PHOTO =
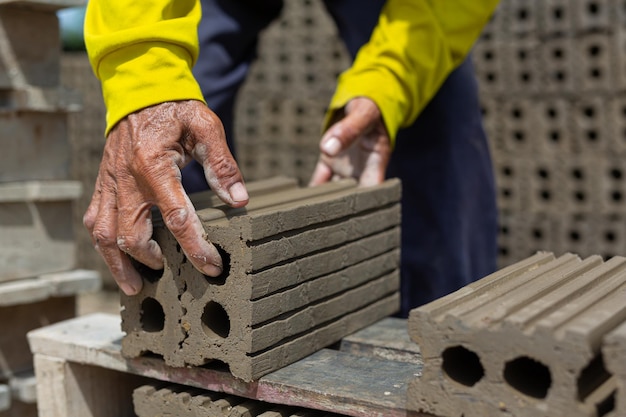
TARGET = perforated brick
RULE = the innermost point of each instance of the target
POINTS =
(303, 267)
(524, 341)
(151, 400)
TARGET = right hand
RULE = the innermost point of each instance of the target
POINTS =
(140, 168)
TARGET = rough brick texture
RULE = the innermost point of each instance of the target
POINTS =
(614, 350)
(524, 341)
(180, 401)
(303, 268)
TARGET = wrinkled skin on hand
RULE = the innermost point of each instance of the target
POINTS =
(356, 146)
(140, 168)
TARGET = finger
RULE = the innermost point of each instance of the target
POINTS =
(322, 173)
(220, 169)
(180, 218)
(134, 229)
(361, 116)
(104, 234)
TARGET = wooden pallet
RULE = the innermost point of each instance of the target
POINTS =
(81, 372)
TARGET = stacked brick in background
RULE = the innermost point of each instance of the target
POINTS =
(552, 75)
(542, 337)
(281, 106)
(304, 267)
(151, 400)
(38, 284)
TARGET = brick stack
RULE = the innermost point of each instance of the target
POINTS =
(282, 104)
(542, 337)
(151, 400)
(37, 251)
(303, 268)
(553, 84)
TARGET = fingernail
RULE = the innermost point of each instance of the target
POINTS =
(211, 270)
(128, 289)
(238, 192)
(332, 146)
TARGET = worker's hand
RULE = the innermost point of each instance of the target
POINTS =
(140, 168)
(357, 146)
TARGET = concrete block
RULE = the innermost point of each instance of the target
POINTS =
(5, 397)
(40, 99)
(27, 56)
(20, 319)
(593, 15)
(554, 129)
(59, 284)
(489, 59)
(556, 17)
(520, 121)
(521, 18)
(164, 400)
(36, 224)
(37, 146)
(302, 266)
(560, 76)
(614, 353)
(592, 127)
(522, 69)
(595, 60)
(524, 341)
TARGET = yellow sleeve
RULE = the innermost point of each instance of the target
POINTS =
(413, 49)
(142, 51)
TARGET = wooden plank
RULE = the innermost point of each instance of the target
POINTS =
(327, 380)
(385, 339)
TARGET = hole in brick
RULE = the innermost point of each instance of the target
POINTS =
(215, 321)
(578, 173)
(525, 77)
(517, 113)
(538, 234)
(552, 113)
(528, 376)
(579, 196)
(590, 112)
(507, 171)
(616, 173)
(555, 136)
(521, 54)
(595, 73)
(216, 365)
(152, 315)
(616, 196)
(560, 76)
(462, 365)
(221, 278)
(609, 236)
(557, 53)
(488, 55)
(543, 173)
(591, 378)
(519, 136)
(545, 195)
(147, 273)
(506, 193)
(503, 251)
(594, 50)
(592, 135)
(593, 8)
(504, 230)
(574, 235)
(557, 13)
(491, 77)
(522, 14)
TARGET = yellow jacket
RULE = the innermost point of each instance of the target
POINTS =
(143, 52)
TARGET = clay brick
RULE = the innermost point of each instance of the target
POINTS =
(524, 341)
(36, 144)
(304, 267)
(36, 225)
(180, 401)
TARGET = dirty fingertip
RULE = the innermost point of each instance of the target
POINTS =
(238, 192)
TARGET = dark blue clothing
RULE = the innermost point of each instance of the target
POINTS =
(449, 215)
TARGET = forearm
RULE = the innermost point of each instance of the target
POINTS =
(413, 49)
(142, 52)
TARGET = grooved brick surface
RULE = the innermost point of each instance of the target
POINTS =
(614, 350)
(303, 268)
(524, 341)
(180, 401)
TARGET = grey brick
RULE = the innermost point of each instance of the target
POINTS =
(305, 266)
(525, 341)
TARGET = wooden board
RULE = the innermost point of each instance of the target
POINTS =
(328, 380)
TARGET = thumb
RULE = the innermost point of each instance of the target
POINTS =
(361, 116)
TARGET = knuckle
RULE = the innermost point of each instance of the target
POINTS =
(104, 238)
(177, 220)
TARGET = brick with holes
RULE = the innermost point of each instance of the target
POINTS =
(524, 341)
(614, 350)
(303, 268)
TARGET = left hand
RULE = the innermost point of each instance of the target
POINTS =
(357, 146)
